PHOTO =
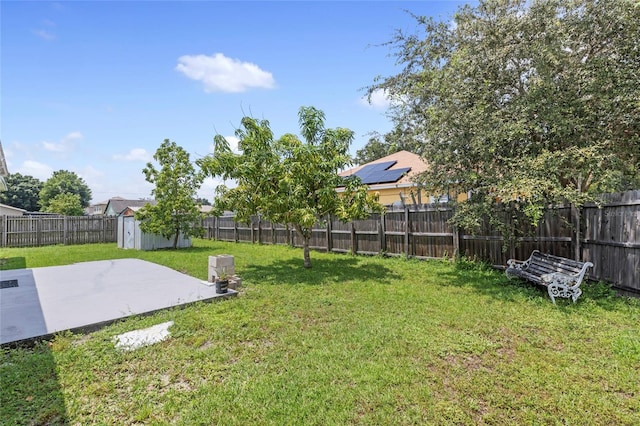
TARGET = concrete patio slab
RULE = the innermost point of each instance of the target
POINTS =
(87, 295)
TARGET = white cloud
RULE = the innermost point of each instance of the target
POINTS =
(208, 188)
(37, 170)
(65, 144)
(136, 154)
(233, 143)
(53, 147)
(89, 172)
(45, 35)
(72, 136)
(221, 74)
(379, 99)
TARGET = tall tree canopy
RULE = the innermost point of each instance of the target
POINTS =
(176, 211)
(23, 192)
(66, 204)
(61, 182)
(527, 102)
(378, 146)
(289, 180)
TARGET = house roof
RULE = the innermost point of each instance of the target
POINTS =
(17, 210)
(401, 160)
(118, 204)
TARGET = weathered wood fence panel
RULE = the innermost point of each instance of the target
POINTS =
(611, 240)
(32, 231)
(609, 236)
(553, 235)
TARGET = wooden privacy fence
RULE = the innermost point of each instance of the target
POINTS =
(27, 231)
(609, 237)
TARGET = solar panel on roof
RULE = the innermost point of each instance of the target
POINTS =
(378, 173)
(394, 175)
(371, 168)
(382, 166)
(383, 176)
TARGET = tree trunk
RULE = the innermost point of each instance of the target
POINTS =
(307, 258)
(576, 213)
(175, 240)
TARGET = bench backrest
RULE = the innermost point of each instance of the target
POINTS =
(542, 263)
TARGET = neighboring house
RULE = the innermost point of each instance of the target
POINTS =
(391, 177)
(6, 210)
(98, 208)
(4, 172)
(115, 206)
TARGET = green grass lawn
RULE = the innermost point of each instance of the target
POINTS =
(355, 340)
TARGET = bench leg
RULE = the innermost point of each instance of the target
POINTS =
(561, 290)
(553, 292)
(575, 294)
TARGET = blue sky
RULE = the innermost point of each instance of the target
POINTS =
(95, 87)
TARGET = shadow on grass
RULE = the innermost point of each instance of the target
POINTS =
(492, 282)
(323, 271)
(31, 392)
(487, 281)
(7, 263)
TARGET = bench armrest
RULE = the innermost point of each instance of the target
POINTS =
(517, 264)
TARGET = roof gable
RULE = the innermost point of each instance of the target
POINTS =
(116, 205)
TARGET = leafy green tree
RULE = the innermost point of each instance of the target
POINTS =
(399, 139)
(203, 202)
(373, 150)
(524, 102)
(288, 180)
(23, 192)
(66, 204)
(64, 181)
(176, 212)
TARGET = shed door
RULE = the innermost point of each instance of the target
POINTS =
(129, 232)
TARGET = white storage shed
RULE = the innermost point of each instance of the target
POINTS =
(130, 236)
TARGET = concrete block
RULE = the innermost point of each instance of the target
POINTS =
(235, 282)
(219, 264)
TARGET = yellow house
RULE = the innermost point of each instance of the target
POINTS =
(391, 177)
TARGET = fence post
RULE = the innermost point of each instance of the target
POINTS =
(259, 229)
(354, 249)
(329, 233)
(456, 241)
(38, 232)
(383, 234)
(252, 234)
(64, 232)
(273, 233)
(5, 229)
(407, 230)
(235, 230)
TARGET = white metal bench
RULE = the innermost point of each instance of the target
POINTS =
(561, 276)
